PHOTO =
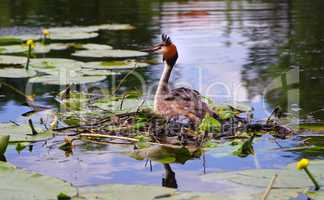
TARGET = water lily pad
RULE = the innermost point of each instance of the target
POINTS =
(126, 105)
(20, 184)
(72, 29)
(123, 192)
(56, 66)
(251, 184)
(12, 60)
(163, 154)
(66, 79)
(93, 72)
(89, 29)
(5, 40)
(72, 36)
(116, 53)
(115, 27)
(91, 46)
(118, 65)
(23, 133)
(40, 48)
(16, 73)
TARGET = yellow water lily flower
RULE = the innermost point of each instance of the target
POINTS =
(302, 164)
(30, 43)
(45, 32)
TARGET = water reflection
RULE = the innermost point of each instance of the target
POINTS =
(169, 179)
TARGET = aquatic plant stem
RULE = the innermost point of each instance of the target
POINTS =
(122, 81)
(28, 57)
(317, 187)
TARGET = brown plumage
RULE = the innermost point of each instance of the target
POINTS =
(181, 103)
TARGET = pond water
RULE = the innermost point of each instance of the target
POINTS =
(262, 53)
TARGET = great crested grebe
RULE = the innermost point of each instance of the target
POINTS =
(180, 103)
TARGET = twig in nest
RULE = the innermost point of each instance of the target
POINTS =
(107, 142)
(109, 136)
(266, 193)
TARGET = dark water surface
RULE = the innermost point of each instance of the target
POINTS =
(261, 53)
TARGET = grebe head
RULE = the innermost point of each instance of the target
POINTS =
(167, 49)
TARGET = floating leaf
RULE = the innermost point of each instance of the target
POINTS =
(89, 29)
(123, 192)
(12, 60)
(49, 63)
(73, 29)
(66, 79)
(39, 48)
(116, 53)
(118, 65)
(4, 140)
(23, 133)
(16, 73)
(251, 184)
(115, 27)
(91, 46)
(126, 105)
(5, 40)
(19, 184)
(72, 36)
(93, 72)
(316, 127)
(163, 154)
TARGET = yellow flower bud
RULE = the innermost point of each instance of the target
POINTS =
(45, 32)
(31, 43)
(302, 164)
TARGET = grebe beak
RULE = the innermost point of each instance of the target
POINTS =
(155, 48)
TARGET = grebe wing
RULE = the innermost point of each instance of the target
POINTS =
(182, 93)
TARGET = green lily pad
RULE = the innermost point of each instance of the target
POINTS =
(91, 46)
(23, 133)
(116, 53)
(316, 127)
(16, 73)
(72, 36)
(163, 154)
(115, 27)
(20, 184)
(72, 29)
(89, 29)
(251, 184)
(13, 60)
(126, 192)
(39, 48)
(55, 66)
(118, 65)
(123, 192)
(66, 79)
(126, 105)
(7, 39)
(93, 72)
